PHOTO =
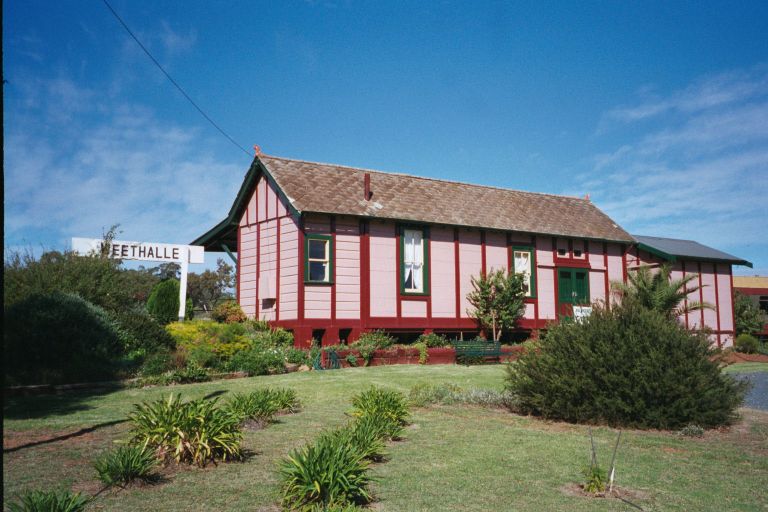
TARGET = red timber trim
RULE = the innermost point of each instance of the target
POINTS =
(482, 253)
(333, 270)
(277, 271)
(701, 297)
(733, 305)
(365, 272)
(624, 264)
(258, 268)
(429, 269)
(536, 276)
(457, 271)
(300, 298)
(685, 302)
(607, 276)
(398, 276)
(239, 257)
(717, 306)
(751, 291)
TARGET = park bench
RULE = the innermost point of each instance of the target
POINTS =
(478, 348)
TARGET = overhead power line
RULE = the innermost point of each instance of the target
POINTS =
(174, 82)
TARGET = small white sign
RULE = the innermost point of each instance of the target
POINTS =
(144, 251)
(581, 312)
(148, 251)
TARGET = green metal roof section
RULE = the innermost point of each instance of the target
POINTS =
(225, 232)
(673, 249)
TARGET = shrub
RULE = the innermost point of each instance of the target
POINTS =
(595, 479)
(691, 430)
(351, 359)
(327, 473)
(258, 361)
(59, 338)
(142, 332)
(378, 339)
(49, 501)
(210, 344)
(161, 362)
(228, 312)
(423, 354)
(124, 465)
(387, 403)
(258, 325)
(163, 302)
(296, 356)
(97, 280)
(433, 340)
(625, 366)
(746, 343)
(195, 432)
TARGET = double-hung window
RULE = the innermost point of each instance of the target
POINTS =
(318, 259)
(523, 262)
(414, 278)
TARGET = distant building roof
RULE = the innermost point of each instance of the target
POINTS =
(750, 282)
(673, 249)
(335, 189)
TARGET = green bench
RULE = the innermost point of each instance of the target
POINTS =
(479, 348)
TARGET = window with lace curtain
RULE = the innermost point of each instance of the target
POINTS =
(523, 263)
(414, 276)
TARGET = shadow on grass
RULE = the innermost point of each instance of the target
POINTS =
(28, 407)
(64, 437)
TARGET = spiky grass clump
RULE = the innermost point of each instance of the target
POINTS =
(125, 465)
(195, 432)
(375, 401)
(285, 399)
(331, 472)
(49, 501)
(256, 406)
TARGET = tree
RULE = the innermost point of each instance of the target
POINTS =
(659, 292)
(210, 287)
(498, 300)
(748, 316)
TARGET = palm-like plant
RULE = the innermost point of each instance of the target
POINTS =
(659, 292)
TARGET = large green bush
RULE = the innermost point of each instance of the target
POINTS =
(627, 366)
(59, 338)
(163, 302)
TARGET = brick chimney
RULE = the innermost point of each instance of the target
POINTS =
(367, 192)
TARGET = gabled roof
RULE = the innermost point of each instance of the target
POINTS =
(672, 249)
(335, 189)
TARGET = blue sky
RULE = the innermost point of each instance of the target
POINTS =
(659, 111)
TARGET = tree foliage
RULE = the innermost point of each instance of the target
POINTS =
(659, 292)
(497, 299)
(749, 318)
(210, 287)
(163, 302)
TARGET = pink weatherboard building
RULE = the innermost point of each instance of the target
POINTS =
(329, 251)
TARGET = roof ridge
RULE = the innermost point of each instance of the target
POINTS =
(390, 173)
(669, 238)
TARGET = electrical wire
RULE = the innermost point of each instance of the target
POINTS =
(176, 84)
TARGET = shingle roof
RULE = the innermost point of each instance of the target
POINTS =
(336, 189)
(686, 249)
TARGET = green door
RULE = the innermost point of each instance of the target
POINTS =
(572, 288)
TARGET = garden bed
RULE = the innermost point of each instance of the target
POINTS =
(411, 355)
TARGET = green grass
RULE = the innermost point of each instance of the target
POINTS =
(452, 458)
(746, 368)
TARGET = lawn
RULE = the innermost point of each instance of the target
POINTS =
(452, 457)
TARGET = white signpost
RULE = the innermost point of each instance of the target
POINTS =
(148, 251)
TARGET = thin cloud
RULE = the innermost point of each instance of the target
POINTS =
(700, 173)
